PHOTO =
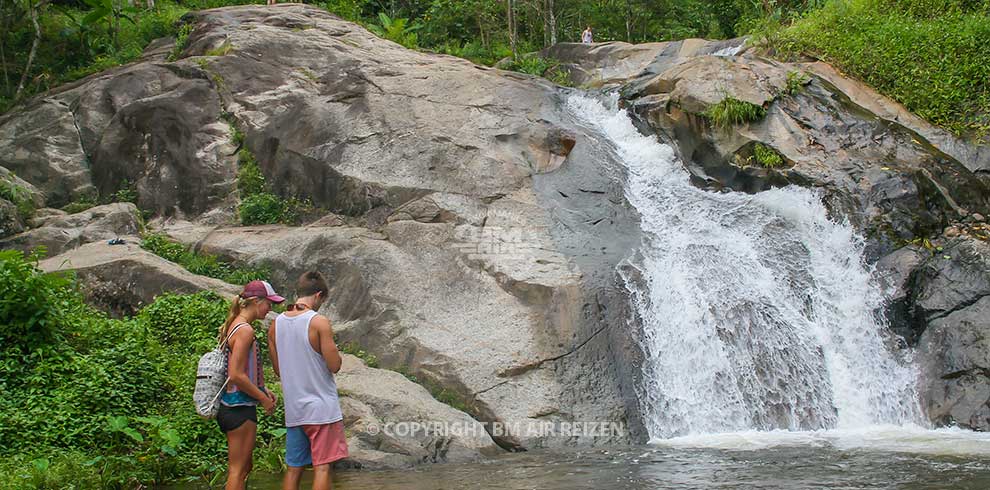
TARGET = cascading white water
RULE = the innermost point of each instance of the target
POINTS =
(757, 310)
(729, 51)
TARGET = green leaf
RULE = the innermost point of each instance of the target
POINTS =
(41, 465)
(93, 461)
(118, 423)
(133, 434)
(96, 15)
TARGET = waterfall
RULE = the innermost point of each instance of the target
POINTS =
(729, 50)
(757, 311)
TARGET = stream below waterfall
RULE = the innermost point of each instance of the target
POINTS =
(879, 458)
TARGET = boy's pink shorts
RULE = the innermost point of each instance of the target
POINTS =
(315, 444)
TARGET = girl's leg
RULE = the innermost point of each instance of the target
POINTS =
(240, 447)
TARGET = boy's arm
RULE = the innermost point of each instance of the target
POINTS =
(328, 348)
(272, 348)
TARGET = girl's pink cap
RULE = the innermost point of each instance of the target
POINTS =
(261, 289)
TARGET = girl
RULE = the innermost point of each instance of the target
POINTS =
(238, 413)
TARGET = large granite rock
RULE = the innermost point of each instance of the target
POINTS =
(121, 279)
(392, 422)
(150, 126)
(58, 233)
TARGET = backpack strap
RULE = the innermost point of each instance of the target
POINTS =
(221, 344)
(231, 334)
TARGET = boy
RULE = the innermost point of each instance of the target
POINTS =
(305, 357)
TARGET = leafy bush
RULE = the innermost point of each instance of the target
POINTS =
(548, 68)
(250, 180)
(202, 264)
(533, 65)
(266, 209)
(929, 55)
(397, 30)
(258, 205)
(476, 52)
(106, 401)
(730, 112)
(75, 45)
(24, 328)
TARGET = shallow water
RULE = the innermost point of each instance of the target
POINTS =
(879, 457)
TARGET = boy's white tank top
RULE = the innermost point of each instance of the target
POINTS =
(308, 387)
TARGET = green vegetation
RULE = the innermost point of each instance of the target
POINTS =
(19, 196)
(398, 30)
(202, 264)
(796, 81)
(259, 206)
(766, 156)
(72, 40)
(75, 39)
(731, 112)
(548, 68)
(220, 50)
(79, 205)
(356, 351)
(106, 401)
(250, 180)
(181, 40)
(929, 55)
(441, 394)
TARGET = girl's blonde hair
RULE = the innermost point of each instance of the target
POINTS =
(236, 306)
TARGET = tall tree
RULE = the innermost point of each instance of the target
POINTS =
(33, 9)
(511, 20)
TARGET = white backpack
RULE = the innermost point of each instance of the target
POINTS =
(211, 378)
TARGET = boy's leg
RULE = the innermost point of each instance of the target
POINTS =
(292, 477)
(297, 457)
(327, 444)
(322, 477)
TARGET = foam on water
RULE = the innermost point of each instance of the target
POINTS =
(890, 438)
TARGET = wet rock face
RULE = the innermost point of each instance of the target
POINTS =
(882, 176)
(875, 162)
(955, 359)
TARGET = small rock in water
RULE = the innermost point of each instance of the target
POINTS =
(979, 217)
(951, 232)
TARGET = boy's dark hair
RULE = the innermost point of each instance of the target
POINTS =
(310, 283)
